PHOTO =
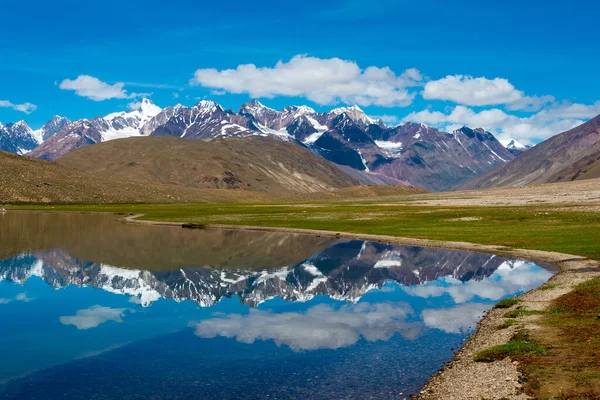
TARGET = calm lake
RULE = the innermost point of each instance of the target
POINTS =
(91, 308)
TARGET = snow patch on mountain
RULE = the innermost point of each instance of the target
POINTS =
(321, 129)
(38, 135)
(281, 133)
(363, 160)
(389, 259)
(494, 153)
(318, 276)
(391, 148)
(129, 282)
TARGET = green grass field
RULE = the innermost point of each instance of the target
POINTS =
(541, 227)
(520, 345)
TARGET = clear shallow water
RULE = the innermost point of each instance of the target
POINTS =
(92, 308)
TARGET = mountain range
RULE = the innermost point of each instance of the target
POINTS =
(365, 148)
(19, 138)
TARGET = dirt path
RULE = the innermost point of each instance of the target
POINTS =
(463, 378)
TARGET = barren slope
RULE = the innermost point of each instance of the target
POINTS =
(24, 179)
(571, 155)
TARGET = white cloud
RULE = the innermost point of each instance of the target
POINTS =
(527, 130)
(93, 316)
(459, 319)
(324, 81)
(134, 105)
(26, 108)
(320, 327)
(533, 130)
(94, 89)
(470, 91)
(461, 115)
(569, 111)
(530, 103)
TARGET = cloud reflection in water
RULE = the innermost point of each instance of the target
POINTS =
(320, 327)
(510, 278)
(93, 316)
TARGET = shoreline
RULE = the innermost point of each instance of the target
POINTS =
(463, 378)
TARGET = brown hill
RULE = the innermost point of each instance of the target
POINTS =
(571, 155)
(24, 179)
(253, 164)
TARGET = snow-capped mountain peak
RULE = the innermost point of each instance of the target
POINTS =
(352, 108)
(50, 128)
(147, 107)
(302, 110)
(208, 105)
(128, 123)
(17, 138)
(296, 111)
(512, 144)
(143, 111)
(255, 108)
(355, 113)
(21, 125)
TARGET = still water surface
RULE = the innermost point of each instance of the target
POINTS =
(91, 308)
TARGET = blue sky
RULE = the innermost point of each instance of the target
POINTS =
(545, 55)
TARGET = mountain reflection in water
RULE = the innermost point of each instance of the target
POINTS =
(99, 301)
(345, 271)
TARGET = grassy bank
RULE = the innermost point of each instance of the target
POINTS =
(561, 228)
(560, 358)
